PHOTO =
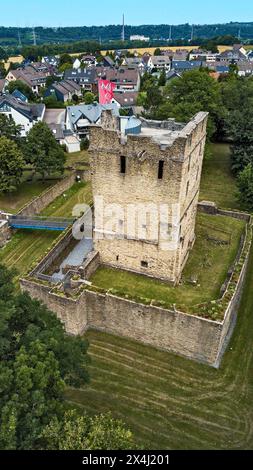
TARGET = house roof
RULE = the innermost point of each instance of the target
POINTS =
(30, 111)
(187, 65)
(109, 61)
(122, 75)
(20, 96)
(90, 112)
(87, 74)
(126, 99)
(160, 60)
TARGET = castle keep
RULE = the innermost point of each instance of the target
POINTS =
(147, 180)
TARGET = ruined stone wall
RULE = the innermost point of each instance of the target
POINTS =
(5, 232)
(140, 185)
(39, 203)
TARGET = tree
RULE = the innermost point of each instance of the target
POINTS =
(37, 361)
(237, 96)
(157, 51)
(65, 59)
(23, 88)
(245, 186)
(162, 78)
(52, 102)
(89, 97)
(2, 70)
(196, 91)
(43, 151)
(9, 129)
(77, 432)
(3, 54)
(65, 67)
(11, 165)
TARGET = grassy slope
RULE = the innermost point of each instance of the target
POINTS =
(208, 262)
(170, 402)
(217, 183)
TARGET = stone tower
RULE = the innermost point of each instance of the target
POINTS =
(146, 183)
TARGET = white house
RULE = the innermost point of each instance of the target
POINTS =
(159, 62)
(23, 114)
(77, 64)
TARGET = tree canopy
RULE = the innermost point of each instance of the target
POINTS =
(43, 152)
(11, 165)
(38, 360)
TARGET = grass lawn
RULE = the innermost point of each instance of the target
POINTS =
(13, 202)
(208, 262)
(77, 159)
(217, 182)
(27, 246)
(170, 402)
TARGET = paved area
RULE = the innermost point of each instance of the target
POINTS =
(75, 258)
(54, 116)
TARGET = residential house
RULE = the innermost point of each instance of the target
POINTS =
(24, 114)
(180, 54)
(159, 62)
(89, 60)
(134, 62)
(186, 65)
(207, 56)
(125, 100)
(64, 91)
(125, 78)
(19, 96)
(35, 80)
(51, 60)
(108, 61)
(79, 118)
(86, 78)
(171, 75)
(77, 64)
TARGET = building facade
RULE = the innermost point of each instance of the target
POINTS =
(146, 189)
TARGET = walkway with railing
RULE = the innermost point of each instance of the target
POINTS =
(39, 223)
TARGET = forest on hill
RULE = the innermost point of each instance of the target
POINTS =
(18, 37)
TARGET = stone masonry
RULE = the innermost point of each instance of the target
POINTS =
(156, 168)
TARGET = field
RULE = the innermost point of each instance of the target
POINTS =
(217, 183)
(208, 264)
(27, 246)
(170, 402)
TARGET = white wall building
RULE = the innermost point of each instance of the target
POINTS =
(23, 114)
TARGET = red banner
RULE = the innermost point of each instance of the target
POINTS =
(106, 89)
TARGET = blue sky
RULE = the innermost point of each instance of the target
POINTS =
(100, 12)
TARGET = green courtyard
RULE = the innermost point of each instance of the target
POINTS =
(203, 276)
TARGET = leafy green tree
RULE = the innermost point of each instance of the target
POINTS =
(89, 97)
(37, 361)
(51, 102)
(65, 67)
(43, 152)
(157, 51)
(162, 78)
(65, 59)
(237, 96)
(3, 54)
(11, 165)
(245, 186)
(3, 71)
(196, 91)
(23, 88)
(9, 129)
(77, 432)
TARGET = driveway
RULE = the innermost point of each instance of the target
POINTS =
(54, 116)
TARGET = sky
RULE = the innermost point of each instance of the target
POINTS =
(101, 12)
